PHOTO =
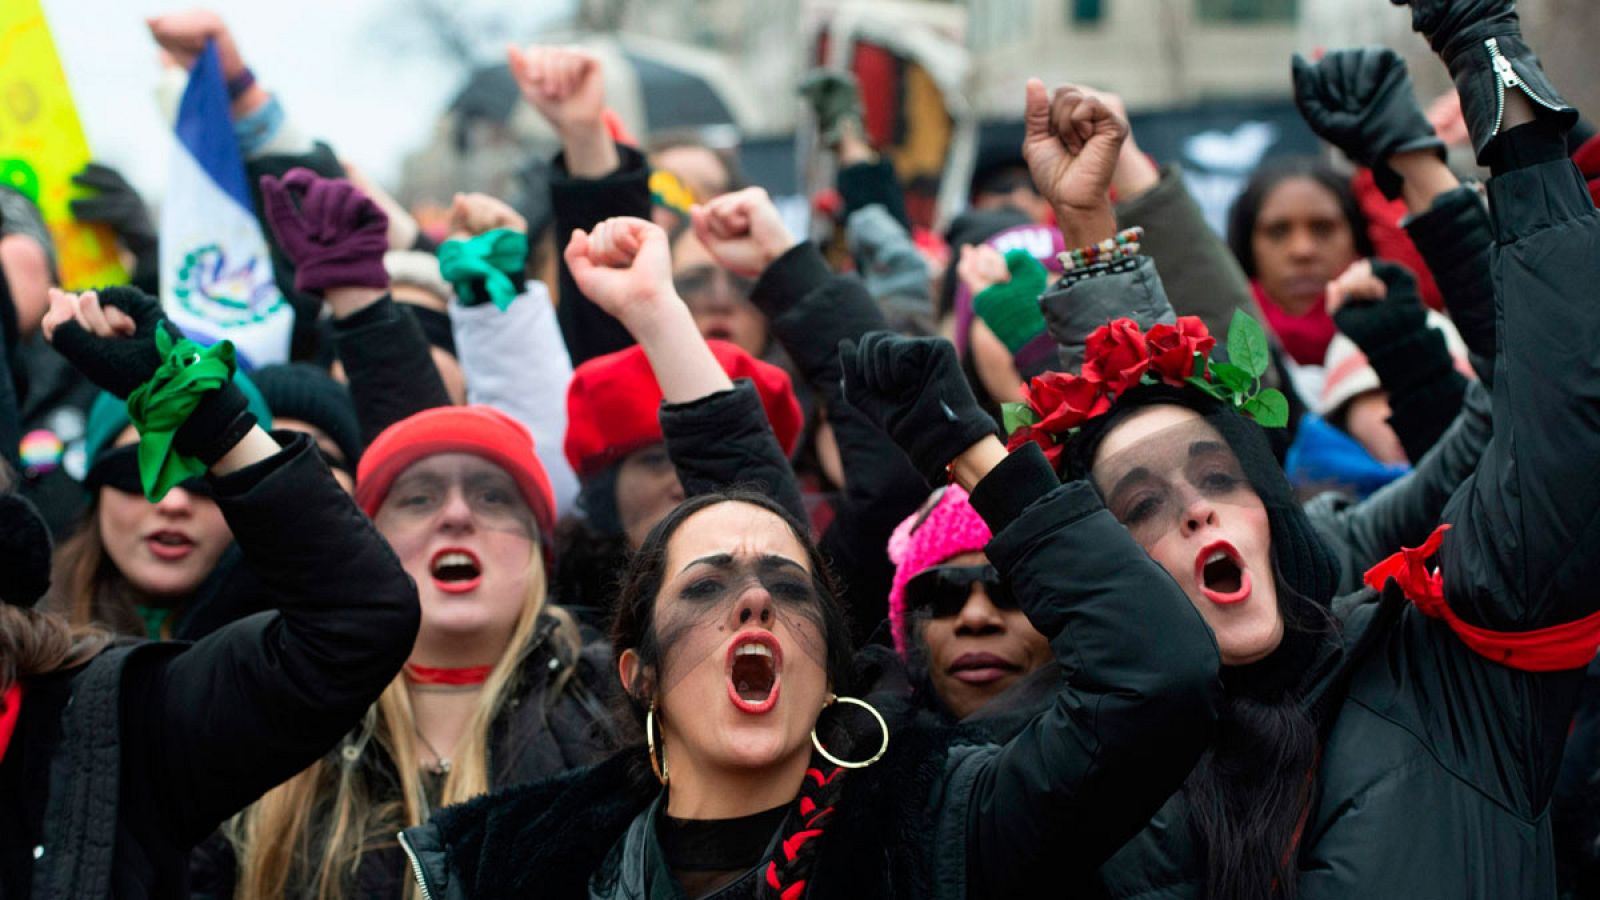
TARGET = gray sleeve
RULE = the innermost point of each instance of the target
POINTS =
(1076, 307)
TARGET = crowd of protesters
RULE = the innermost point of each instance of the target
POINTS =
(648, 551)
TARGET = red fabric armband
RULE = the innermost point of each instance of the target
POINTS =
(1570, 645)
(10, 709)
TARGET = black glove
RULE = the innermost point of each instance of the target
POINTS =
(914, 389)
(120, 365)
(1480, 41)
(117, 205)
(1361, 102)
(1394, 332)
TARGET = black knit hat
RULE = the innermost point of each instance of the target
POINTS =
(1303, 560)
(24, 552)
(303, 391)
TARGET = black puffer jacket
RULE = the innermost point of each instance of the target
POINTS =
(944, 814)
(118, 768)
(810, 310)
(1435, 776)
(554, 720)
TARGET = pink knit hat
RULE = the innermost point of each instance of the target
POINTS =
(926, 539)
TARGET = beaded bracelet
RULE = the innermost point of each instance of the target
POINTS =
(1122, 246)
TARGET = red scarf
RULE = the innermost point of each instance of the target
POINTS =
(1570, 645)
(428, 675)
(1305, 338)
(10, 710)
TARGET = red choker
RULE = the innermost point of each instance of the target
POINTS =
(428, 675)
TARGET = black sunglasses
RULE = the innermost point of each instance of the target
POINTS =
(942, 591)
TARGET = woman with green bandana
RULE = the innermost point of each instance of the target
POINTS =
(117, 757)
(133, 565)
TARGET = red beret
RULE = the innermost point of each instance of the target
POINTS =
(614, 403)
(479, 430)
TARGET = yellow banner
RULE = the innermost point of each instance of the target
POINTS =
(42, 144)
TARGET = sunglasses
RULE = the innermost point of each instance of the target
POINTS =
(942, 591)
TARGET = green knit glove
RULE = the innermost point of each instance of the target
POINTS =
(495, 260)
(1011, 308)
(160, 406)
(835, 100)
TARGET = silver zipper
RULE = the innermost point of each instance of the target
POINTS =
(416, 867)
(1506, 77)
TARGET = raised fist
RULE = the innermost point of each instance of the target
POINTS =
(915, 389)
(1071, 142)
(110, 338)
(565, 84)
(184, 35)
(1361, 102)
(474, 214)
(624, 267)
(980, 267)
(742, 230)
(334, 234)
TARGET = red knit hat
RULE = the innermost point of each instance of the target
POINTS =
(613, 404)
(479, 430)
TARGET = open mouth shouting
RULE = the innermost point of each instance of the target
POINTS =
(755, 666)
(1221, 574)
(169, 546)
(455, 571)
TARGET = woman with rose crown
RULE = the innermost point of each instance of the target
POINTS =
(1405, 739)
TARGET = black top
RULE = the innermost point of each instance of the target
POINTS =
(705, 855)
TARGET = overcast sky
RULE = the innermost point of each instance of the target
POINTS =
(344, 68)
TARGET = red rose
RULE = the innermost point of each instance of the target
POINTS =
(1172, 348)
(1033, 434)
(1116, 355)
(1064, 402)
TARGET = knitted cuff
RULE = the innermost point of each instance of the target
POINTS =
(1374, 326)
(1412, 362)
(1011, 308)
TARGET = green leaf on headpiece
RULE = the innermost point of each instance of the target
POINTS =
(1017, 415)
(1247, 345)
(1269, 408)
(1232, 377)
(1210, 389)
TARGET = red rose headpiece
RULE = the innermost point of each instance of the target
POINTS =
(1119, 356)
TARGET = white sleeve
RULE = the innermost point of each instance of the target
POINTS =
(517, 362)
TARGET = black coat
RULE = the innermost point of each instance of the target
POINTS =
(555, 720)
(945, 811)
(810, 310)
(1436, 774)
(165, 741)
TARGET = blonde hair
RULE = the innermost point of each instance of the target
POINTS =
(277, 841)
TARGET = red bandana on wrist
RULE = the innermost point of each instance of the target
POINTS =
(1556, 648)
(10, 709)
(429, 675)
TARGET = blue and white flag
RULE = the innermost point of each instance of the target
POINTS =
(216, 272)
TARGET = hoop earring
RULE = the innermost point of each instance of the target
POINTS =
(659, 767)
(846, 764)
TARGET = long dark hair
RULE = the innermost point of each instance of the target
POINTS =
(1249, 792)
(1246, 209)
(787, 871)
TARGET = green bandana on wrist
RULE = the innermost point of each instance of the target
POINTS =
(160, 406)
(1011, 308)
(497, 258)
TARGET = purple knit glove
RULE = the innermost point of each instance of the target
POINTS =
(334, 234)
